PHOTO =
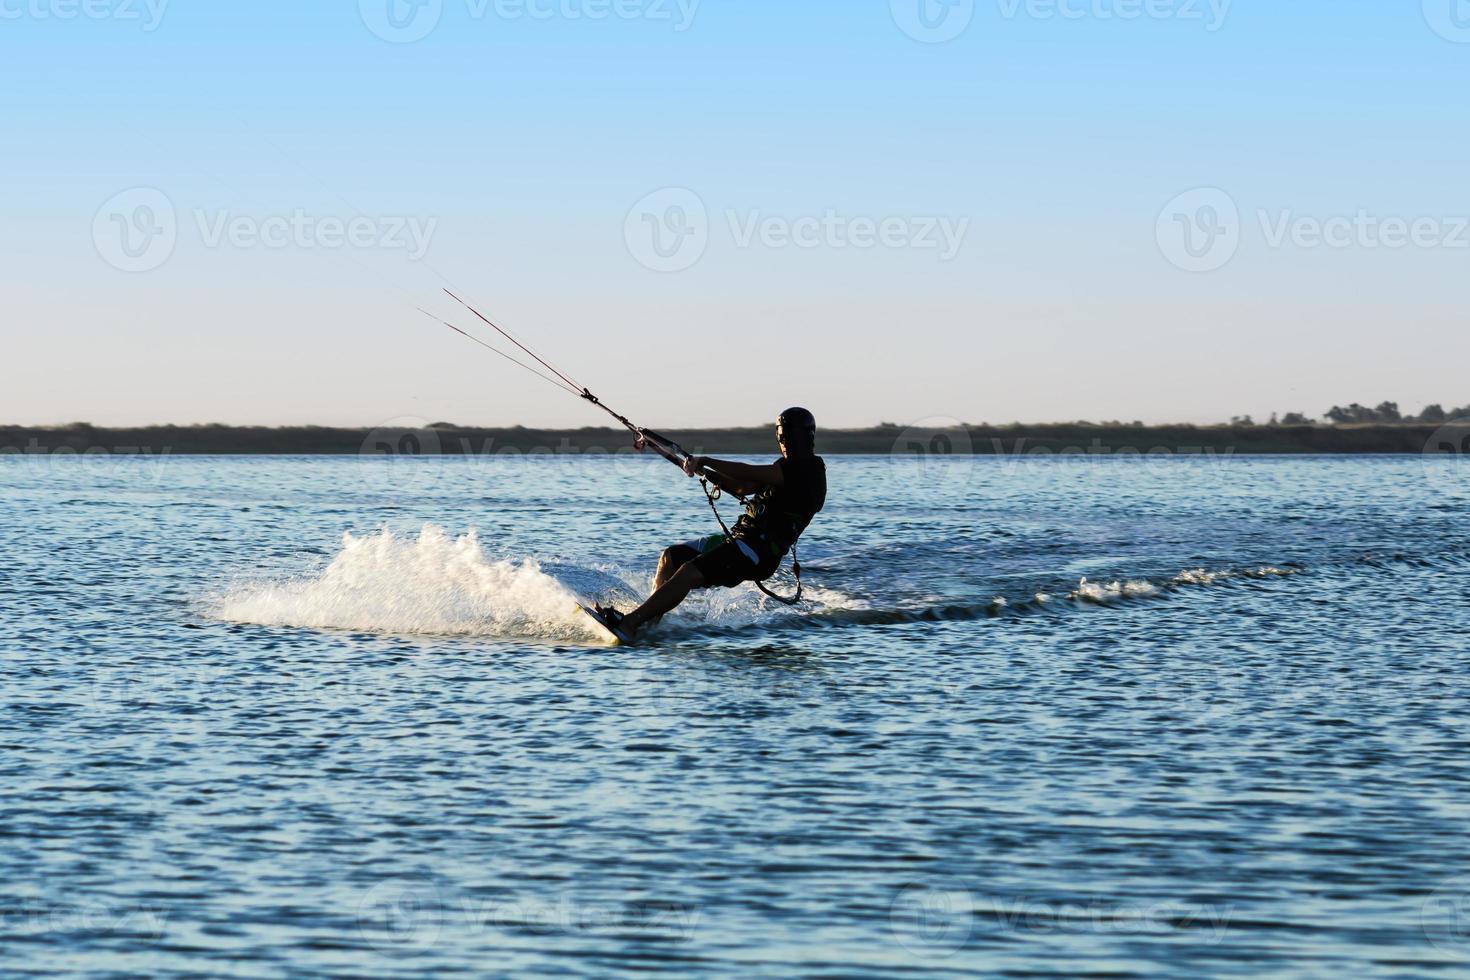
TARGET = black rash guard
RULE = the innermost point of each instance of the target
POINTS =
(775, 517)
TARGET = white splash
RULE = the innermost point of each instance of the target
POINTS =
(429, 584)
(1098, 592)
(438, 585)
(744, 605)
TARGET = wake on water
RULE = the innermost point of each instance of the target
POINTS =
(437, 584)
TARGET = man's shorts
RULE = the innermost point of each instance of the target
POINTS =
(725, 562)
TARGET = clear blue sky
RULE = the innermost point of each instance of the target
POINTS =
(521, 137)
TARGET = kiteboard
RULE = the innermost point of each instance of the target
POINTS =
(614, 637)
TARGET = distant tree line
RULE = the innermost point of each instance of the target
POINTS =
(1080, 438)
(1383, 412)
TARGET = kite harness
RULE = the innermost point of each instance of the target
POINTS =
(644, 438)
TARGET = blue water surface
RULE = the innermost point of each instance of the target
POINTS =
(1046, 717)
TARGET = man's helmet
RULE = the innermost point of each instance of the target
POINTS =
(798, 420)
(796, 428)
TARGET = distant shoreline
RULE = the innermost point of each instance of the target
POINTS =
(982, 440)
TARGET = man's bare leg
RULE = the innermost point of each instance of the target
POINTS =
(666, 597)
(666, 569)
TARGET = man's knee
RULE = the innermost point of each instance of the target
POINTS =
(675, 558)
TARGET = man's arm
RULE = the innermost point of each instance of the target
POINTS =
(739, 478)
